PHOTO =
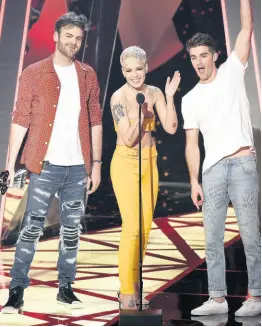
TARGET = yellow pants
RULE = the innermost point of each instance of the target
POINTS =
(125, 179)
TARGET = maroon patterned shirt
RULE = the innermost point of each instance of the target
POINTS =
(38, 94)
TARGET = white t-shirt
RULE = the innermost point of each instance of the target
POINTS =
(220, 110)
(64, 148)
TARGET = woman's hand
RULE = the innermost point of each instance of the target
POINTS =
(172, 85)
(145, 108)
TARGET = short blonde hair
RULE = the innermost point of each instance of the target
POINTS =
(133, 52)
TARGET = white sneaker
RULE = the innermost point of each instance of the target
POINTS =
(249, 308)
(210, 307)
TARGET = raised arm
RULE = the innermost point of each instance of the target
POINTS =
(128, 132)
(243, 42)
(165, 107)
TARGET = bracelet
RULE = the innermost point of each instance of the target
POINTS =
(99, 161)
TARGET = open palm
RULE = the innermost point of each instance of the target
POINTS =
(172, 85)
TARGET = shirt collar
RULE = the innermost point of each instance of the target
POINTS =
(49, 65)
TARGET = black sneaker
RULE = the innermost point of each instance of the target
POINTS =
(15, 301)
(66, 297)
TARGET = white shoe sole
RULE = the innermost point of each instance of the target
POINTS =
(247, 315)
(11, 310)
(209, 314)
(77, 305)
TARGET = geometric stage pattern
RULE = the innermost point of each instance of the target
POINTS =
(175, 248)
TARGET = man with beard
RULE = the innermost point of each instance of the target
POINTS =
(58, 104)
(219, 108)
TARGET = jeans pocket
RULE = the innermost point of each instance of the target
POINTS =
(207, 171)
(249, 167)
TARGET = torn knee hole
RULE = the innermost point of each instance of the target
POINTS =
(69, 237)
(37, 217)
(30, 234)
(74, 208)
(74, 205)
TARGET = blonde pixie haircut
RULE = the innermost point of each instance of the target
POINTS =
(133, 52)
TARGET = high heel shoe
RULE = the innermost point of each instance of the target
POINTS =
(119, 301)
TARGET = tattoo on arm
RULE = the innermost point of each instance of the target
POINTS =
(131, 303)
(174, 125)
(152, 91)
(118, 112)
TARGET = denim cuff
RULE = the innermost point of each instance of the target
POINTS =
(221, 293)
(254, 291)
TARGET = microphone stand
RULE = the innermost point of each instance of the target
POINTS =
(140, 208)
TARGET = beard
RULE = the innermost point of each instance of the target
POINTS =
(67, 50)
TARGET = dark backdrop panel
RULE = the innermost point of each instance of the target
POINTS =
(10, 47)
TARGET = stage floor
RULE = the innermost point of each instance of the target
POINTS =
(175, 249)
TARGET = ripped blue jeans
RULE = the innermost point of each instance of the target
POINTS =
(70, 183)
(232, 179)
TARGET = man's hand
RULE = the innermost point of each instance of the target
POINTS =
(196, 190)
(95, 178)
(10, 181)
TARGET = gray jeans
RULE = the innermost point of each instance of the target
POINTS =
(232, 179)
(70, 183)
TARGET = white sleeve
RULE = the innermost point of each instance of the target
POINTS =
(233, 63)
(190, 122)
